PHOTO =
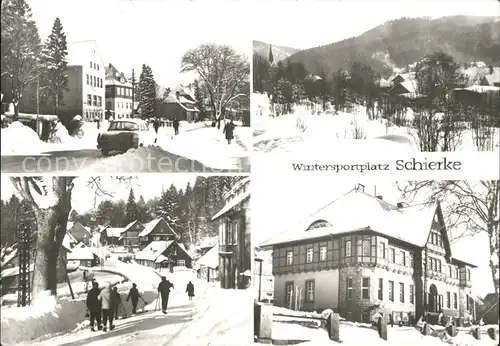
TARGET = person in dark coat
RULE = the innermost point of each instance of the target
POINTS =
(164, 290)
(229, 131)
(379, 326)
(156, 125)
(175, 124)
(94, 306)
(117, 301)
(190, 290)
(133, 295)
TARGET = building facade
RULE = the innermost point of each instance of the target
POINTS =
(180, 106)
(156, 230)
(79, 232)
(164, 254)
(85, 91)
(131, 232)
(234, 236)
(119, 94)
(359, 266)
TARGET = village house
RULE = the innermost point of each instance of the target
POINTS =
(112, 236)
(130, 234)
(79, 232)
(178, 104)
(155, 230)
(82, 255)
(394, 258)
(119, 94)
(164, 254)
(234, 236)
(85, 93)
(208, 265)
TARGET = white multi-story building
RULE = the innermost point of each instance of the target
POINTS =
(118, 94)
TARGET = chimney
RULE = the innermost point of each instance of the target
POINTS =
(380, 197)
(178, 95)
(360, 187)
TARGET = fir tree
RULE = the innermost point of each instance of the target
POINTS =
(20, 49)
(198, 97)
(271, 57)
(54, 64)
(169, 204)
(131, 209)
(147, 92)
(133, 81)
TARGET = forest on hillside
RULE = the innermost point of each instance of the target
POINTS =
(401, 42)
(188, 211)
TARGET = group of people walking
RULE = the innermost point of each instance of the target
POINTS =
(175, 125)
(103, 305)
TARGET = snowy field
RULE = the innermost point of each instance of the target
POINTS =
(49, 317)
(361, 334)
(196, 141)
(303, 131)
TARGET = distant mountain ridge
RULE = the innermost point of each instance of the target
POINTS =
(279, 52)
(401, 42)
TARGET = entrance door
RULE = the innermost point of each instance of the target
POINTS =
(433, 298)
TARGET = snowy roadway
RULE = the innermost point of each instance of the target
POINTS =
(217, 318)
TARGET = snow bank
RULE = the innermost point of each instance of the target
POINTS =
(18, 139)
(209, 146)
(61, 139)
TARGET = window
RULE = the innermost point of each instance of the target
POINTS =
(95, 100)
(450, 272)
(448, 300)
(365, 288)
(382, 250)
(156, 238)
(366, 248)
(100, 82)
(349, 316)
(456, 273)
(97, 67)
(288, 292)
(309, 255)
(91, 64)
(455, 301)
(392, 255)
(403, 258)
(87, 79)
(391, 291)
(181, 263)
(289, 257)
(89, 99)
(310, 291)
(99, 101)
(381, 289)
(401, 292)
(411, 260)
(95, 81)
(322, 250)
(348, 248)
(468, 275)
(412, 294)
(439, 266)
(349, 288)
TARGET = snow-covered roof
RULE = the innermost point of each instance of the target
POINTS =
(232, 204)
(71, 224)
(69, 241)
(480, 88)
(126, 228)
(210, 259)
(409, 224)
(150, 226)
(114, 232)
(208, 242)
(409, 85)
(161, 259)
(153, 250)
(81, 253)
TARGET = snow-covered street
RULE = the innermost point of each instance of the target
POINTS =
(197, 148)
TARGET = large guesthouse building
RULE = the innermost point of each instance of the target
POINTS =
(394, 258)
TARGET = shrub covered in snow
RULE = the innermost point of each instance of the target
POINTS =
(19, 139)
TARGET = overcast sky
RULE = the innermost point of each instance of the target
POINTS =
(279, 204)
(130, 33)
(306, 24)
(147, 185)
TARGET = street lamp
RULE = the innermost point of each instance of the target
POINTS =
(260, 260)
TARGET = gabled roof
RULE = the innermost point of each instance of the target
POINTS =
(210, 259)
(71, 225)
(156, 248)
(232, 204)
(411, 224)
(81, 253)
(114, 232)
(150, 226)
(126, 228)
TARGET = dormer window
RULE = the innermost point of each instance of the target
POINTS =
(319, 224)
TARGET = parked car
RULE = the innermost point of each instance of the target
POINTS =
(125, 134)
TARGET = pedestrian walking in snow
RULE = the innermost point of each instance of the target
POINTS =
(106, 298)
(94, 306)
(117, 301)
(229, 131)
(175, 124)
(164, 291)
(190, 290)
(133, 295)
(156, 125)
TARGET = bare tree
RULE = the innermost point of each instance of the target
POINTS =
(50, 200)
(473, 207)
(226, 74)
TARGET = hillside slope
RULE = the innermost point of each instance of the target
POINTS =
(401, 42)
(279, 52)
